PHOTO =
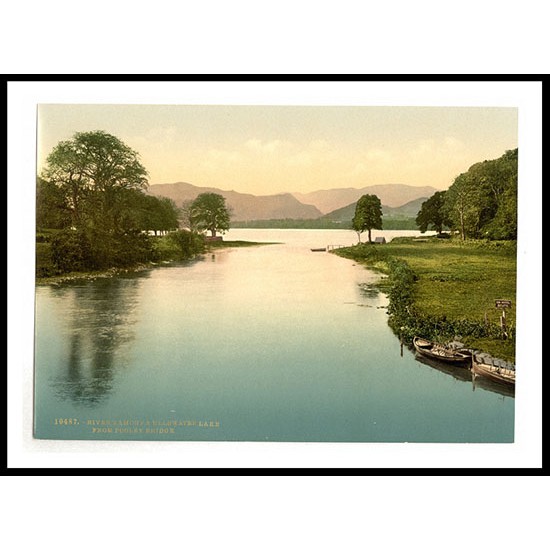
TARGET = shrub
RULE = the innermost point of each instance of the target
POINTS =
(189, 243)
(131, 248)
(165, 249)
(84, 250)
(44, 264)
(71, 251)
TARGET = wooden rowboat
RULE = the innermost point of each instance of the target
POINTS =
(441, 353)
(495, 369)
(318, 249)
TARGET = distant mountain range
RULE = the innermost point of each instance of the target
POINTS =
(393, 195)
(397, 199)
(243, 206)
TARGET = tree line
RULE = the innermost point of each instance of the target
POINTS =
(93, 210)
(480, 203)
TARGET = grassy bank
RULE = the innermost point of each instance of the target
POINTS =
(166, 250)
(68, 255)
(74, 276)
(444, 289)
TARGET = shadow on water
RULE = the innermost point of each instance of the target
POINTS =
(99, 325)
(464, 374)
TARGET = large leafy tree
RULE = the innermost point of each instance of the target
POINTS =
(158, 214)
(368, 215)
(209, 212)
(462, 205)
(142, 212)
(482, 202)
(432, 213)
(502, 187)
(92, 171)
(96, 181)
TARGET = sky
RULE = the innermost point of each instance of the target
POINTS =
(267, 150)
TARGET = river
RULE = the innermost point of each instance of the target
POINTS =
(264, 343)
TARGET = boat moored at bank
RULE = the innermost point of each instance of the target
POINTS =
(495, 369)
(442, 353)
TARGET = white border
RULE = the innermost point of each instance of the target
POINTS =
(25, 452)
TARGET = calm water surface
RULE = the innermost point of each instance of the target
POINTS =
(265, 343)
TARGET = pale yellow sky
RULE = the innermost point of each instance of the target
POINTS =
(265, 150)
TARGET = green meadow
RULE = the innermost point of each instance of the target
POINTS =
(455, 283)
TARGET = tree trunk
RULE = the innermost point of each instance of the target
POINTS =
(213, 230)
(370, 241)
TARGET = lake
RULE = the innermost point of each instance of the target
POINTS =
(263, 343)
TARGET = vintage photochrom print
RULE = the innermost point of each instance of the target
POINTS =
(276, 273)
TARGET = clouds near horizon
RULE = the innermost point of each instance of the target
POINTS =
(268, 150)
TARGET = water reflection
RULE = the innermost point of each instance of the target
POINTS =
(99, 325)
(464, 374)
(492, 386)
(370, 290)
(276, 343)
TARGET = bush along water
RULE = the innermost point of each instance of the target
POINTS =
(90, 250)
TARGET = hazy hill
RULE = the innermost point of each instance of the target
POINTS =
(408, 210)
(244, 206)
(392, 195)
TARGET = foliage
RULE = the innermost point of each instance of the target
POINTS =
(209, 212)
(184, 214)
(93, 191)
(482, 202)
(180, 245)
(91, 171)
(189, 243)
(92, 249)
(71, 251)
(159, 214)
(432, 213)
(51, 209)
(368, 215)
(44, 264)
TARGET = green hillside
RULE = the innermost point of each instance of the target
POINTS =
(406, 211)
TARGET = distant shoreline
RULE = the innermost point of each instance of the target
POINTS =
(395, 224)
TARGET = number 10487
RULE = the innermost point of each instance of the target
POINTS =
(66, 421)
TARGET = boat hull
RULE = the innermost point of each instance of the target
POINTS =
(440, 353)
(498, 374)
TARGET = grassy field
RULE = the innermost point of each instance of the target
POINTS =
(455, 280)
